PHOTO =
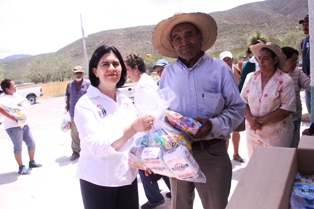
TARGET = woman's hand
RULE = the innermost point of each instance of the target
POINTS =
(143, 123)
(255, 123)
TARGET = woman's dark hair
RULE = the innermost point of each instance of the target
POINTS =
(135, 59)
(6, 83)
(93, 63)
(289, 51)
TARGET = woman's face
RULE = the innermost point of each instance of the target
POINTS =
(12, 88)
(266, 62)
(108, 69)
(291, 63)
(133, 74)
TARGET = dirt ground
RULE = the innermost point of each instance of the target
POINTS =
(54, 185)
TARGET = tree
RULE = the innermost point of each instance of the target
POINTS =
(256, 37)
(293, 39)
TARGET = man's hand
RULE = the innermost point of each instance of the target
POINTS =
(205, 129)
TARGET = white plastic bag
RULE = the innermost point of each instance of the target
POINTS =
(66, 122)
(163, 141)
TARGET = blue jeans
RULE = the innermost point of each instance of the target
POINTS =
(18, 135)
(152, 191)
(296, 135)
(308, 101)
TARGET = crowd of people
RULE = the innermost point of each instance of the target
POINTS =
(260, 96)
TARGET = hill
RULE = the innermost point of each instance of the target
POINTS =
(275, 19)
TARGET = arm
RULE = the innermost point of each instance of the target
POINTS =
(102, 136)
(309, 131)
(6, 113)
(141, 124)
(273, 117)
(304, 80)
(67, 98)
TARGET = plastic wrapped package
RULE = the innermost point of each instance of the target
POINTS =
(164, 144)
(152, 159)
(186, 124)
(183, 165)
(135, 160)
(66, 122)
(302, 194)
(19, 113)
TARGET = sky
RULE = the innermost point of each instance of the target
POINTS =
(43, 26)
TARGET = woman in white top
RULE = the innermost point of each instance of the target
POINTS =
(18, 132)
(136, 71)
(106, 121)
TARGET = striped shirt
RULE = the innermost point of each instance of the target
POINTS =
(301, 81)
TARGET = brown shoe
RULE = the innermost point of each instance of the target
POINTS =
(74, 156)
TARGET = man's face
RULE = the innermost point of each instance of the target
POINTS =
(186, 40)
(229, 61)
(305, 27)
(159, 70)
(78, 76)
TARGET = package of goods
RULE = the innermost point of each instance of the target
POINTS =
(152, 159)
(160, 138)
(302, 194)
(183, 165)
(186, 124)
(19, 113)
(134, 159)
(66, 122)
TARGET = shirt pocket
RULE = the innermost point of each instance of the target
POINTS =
(211, 104)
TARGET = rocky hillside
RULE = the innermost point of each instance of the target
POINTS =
(273, 18)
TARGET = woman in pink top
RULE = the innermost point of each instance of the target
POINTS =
(270, 100)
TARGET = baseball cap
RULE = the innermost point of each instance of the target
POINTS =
(161, 62)
(225, 54)
(78, 69)
(306, 19)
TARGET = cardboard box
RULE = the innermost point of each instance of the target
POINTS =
(268, 178)
(306, 142)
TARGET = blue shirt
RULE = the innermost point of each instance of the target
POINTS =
(207, 90)
(75, 93)
(305, 46)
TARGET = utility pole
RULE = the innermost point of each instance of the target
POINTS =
(84, 47)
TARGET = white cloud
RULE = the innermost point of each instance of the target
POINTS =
(36, 26)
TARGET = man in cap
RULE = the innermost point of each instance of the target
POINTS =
(159, 67)
(75, 89)
(207, 91)
(305, 48)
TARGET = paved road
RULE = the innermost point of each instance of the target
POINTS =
(54, 185)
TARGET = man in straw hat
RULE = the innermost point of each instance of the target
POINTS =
(207, 91)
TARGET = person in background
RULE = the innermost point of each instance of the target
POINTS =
(159, 67)
(251, 65)
(241, 61)
(75, 89)
(17, 133)
(301, 81)
(269, 100)
(136, 71)
(106, 121)
(305, 47)
(205, 90)
(309, 131)
(227, 57)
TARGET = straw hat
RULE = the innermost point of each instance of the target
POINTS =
(204, 22)
(274, 48)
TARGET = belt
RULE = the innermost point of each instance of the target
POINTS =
(203, 145)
